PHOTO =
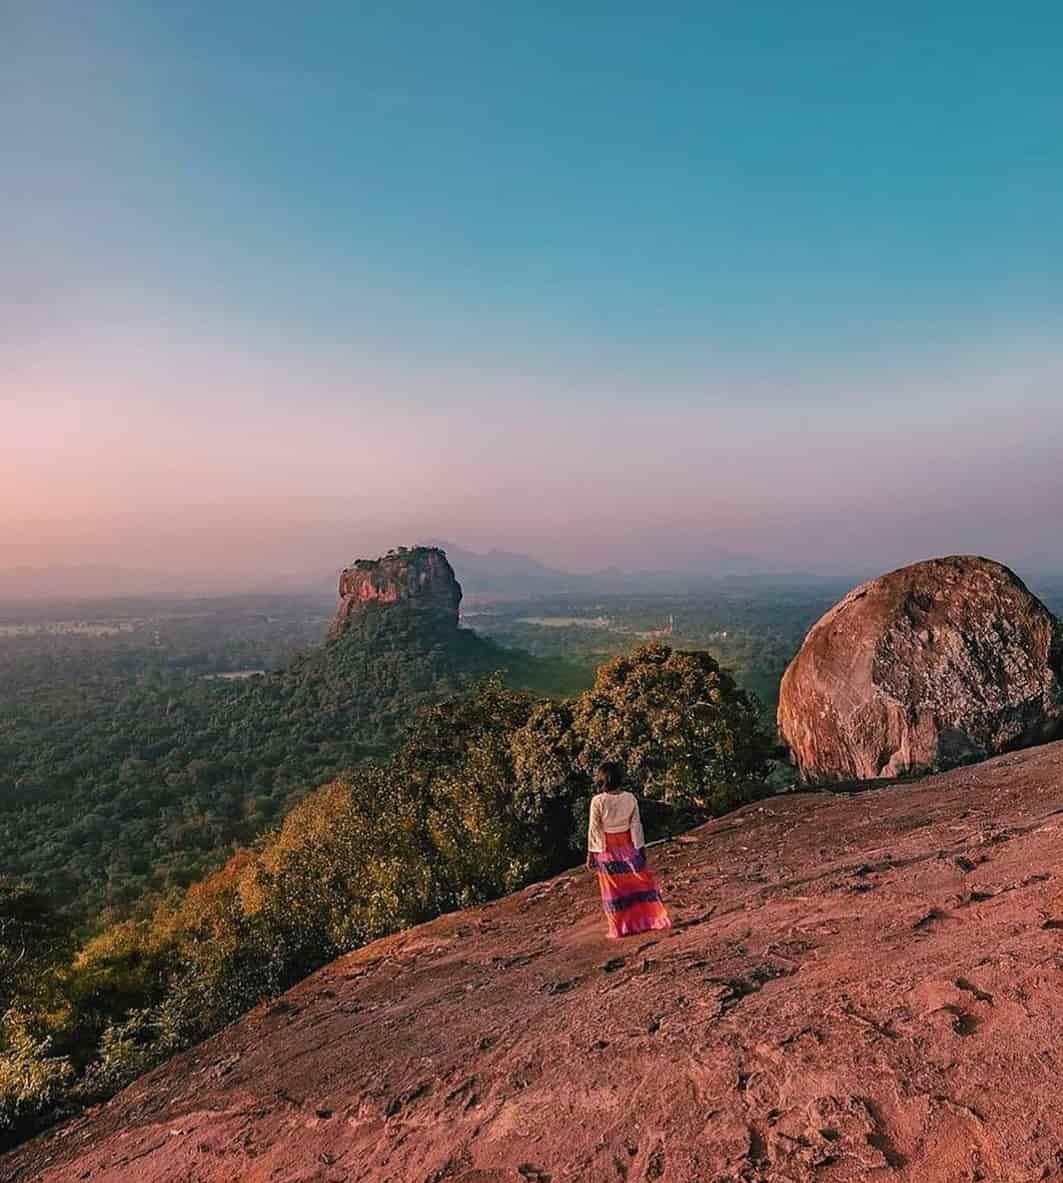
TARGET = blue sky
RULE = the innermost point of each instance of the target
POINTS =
(609, 282)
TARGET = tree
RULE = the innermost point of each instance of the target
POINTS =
(31, 937)
(552, 785)
(680, 725)
(31, 1080)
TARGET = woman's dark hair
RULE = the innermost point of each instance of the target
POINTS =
(609, 775)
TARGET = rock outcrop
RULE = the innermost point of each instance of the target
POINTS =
(419, 577)
(856, 989)
(930, 666)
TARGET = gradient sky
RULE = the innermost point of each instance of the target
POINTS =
(282, 284)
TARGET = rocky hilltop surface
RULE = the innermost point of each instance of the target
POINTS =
(419, 577)
(857, 988)
(927, 667)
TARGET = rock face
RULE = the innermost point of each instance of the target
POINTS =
(420, 577)
(930, 666)
(837, 1002)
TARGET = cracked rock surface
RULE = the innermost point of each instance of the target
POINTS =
(857, 988)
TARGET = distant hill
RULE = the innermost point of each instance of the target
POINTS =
(504, 575)
(856, 988)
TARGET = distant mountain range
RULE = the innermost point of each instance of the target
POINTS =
(504, 573)
(495, 574)
(491, 575)
(500, 574)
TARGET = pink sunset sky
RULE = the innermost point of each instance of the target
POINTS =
(200, 462)
(281, 292)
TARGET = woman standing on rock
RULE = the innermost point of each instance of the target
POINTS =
(616, 849)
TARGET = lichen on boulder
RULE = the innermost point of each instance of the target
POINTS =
(930, 666)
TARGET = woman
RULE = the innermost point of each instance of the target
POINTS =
(616, 849)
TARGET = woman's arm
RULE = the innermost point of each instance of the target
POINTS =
(595, 832)
(638, 838)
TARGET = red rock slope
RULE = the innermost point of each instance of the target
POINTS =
(858, 988)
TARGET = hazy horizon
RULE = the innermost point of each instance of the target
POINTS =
(479, 573)
(605, 286)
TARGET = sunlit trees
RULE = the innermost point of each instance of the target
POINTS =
(32, 1080)
(31, 937)
(687, 735)
(682, 728)
(32, 940)
(552, 785)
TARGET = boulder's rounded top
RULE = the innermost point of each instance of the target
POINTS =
(419, 577)
(936, 663)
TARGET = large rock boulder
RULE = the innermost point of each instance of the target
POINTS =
(938, 663)
(419, 577)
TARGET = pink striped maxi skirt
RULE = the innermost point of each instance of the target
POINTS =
(631, 898)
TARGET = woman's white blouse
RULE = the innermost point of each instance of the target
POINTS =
(613, 813)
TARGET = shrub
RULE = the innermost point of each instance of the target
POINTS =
(31, 1080)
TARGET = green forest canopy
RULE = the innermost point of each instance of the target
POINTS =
(135, 778)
